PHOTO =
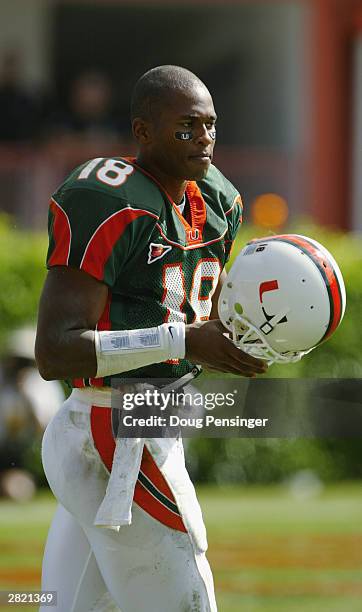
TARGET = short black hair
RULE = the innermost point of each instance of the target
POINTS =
(153, 88)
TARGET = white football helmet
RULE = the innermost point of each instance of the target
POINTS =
(283, 296)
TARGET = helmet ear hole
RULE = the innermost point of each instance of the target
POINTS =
(238, 308)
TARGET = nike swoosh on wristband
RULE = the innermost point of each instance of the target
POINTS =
(170, 328)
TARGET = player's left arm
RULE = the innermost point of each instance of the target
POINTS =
(215, 298)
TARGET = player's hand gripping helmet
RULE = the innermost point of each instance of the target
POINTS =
(283, 296)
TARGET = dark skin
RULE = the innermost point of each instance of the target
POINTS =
(174, 162)
(72, 301)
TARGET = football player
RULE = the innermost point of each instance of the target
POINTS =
(137, 249)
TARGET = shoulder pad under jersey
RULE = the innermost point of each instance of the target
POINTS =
(119, 178)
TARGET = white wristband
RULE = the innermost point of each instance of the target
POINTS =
(122, 351)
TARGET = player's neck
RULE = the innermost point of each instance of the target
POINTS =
(174, 187)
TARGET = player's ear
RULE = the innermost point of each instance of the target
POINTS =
(142, 131)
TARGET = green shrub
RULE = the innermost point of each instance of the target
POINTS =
(22, 272)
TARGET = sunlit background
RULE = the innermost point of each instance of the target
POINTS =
(283, 516)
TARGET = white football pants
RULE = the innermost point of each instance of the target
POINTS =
(145, 567)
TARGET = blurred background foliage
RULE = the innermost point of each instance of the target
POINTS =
(22, 272)
(22, 269)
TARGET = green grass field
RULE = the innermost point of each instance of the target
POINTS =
(269, 551)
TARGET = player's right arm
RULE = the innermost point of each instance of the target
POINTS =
(71, 304)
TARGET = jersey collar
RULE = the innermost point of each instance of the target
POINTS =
(193, 232)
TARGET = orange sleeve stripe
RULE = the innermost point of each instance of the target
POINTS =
(101, 244)
(61, 235)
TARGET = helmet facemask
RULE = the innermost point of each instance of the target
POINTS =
(252, 340)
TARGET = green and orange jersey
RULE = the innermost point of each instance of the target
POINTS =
(114, 221)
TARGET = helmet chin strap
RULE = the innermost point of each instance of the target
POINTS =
(252, 340)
